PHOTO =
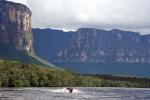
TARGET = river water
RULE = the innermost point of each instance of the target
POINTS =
(78, 94)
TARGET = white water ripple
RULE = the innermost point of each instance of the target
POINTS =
(78, 94)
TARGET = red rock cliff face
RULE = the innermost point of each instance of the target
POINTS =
(15, 25)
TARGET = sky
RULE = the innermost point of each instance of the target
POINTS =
(132, 15)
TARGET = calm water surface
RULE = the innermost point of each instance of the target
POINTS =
(78, 94)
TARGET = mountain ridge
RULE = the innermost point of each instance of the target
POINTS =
(113, 52)
(117, 41)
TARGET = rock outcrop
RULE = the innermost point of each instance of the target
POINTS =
(92, 46)
(15, 25)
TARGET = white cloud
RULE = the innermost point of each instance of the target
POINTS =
(72, 14)
(20, 1)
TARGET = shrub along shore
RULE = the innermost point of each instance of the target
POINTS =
(15, 74)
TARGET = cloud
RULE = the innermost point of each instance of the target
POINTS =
(20, 1)
(72, 14)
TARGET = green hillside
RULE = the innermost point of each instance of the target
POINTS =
(15, 74)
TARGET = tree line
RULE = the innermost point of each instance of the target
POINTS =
(15, 74)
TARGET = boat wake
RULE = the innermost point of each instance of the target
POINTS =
(56, 90)
(64, 90)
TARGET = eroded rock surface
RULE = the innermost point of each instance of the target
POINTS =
(15, 25)
(92, 46)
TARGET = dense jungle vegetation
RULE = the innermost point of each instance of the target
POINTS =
(15, 74)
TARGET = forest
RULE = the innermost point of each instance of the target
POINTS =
(16, 74)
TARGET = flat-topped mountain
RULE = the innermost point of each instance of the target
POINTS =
(16, 34)
(15, 25)
(95, 51)
(92, 46)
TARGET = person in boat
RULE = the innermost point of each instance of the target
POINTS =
(70, 89)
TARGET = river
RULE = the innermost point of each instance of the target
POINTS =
(78, 94)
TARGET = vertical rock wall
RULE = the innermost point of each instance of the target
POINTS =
(92, 46)
(15, 25)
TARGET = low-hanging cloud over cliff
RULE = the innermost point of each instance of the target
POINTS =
(72, 14)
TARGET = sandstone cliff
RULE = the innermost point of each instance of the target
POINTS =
(92, 46)
(15, 25)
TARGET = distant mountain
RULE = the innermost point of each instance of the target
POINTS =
(92, 46)
(90, 50)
